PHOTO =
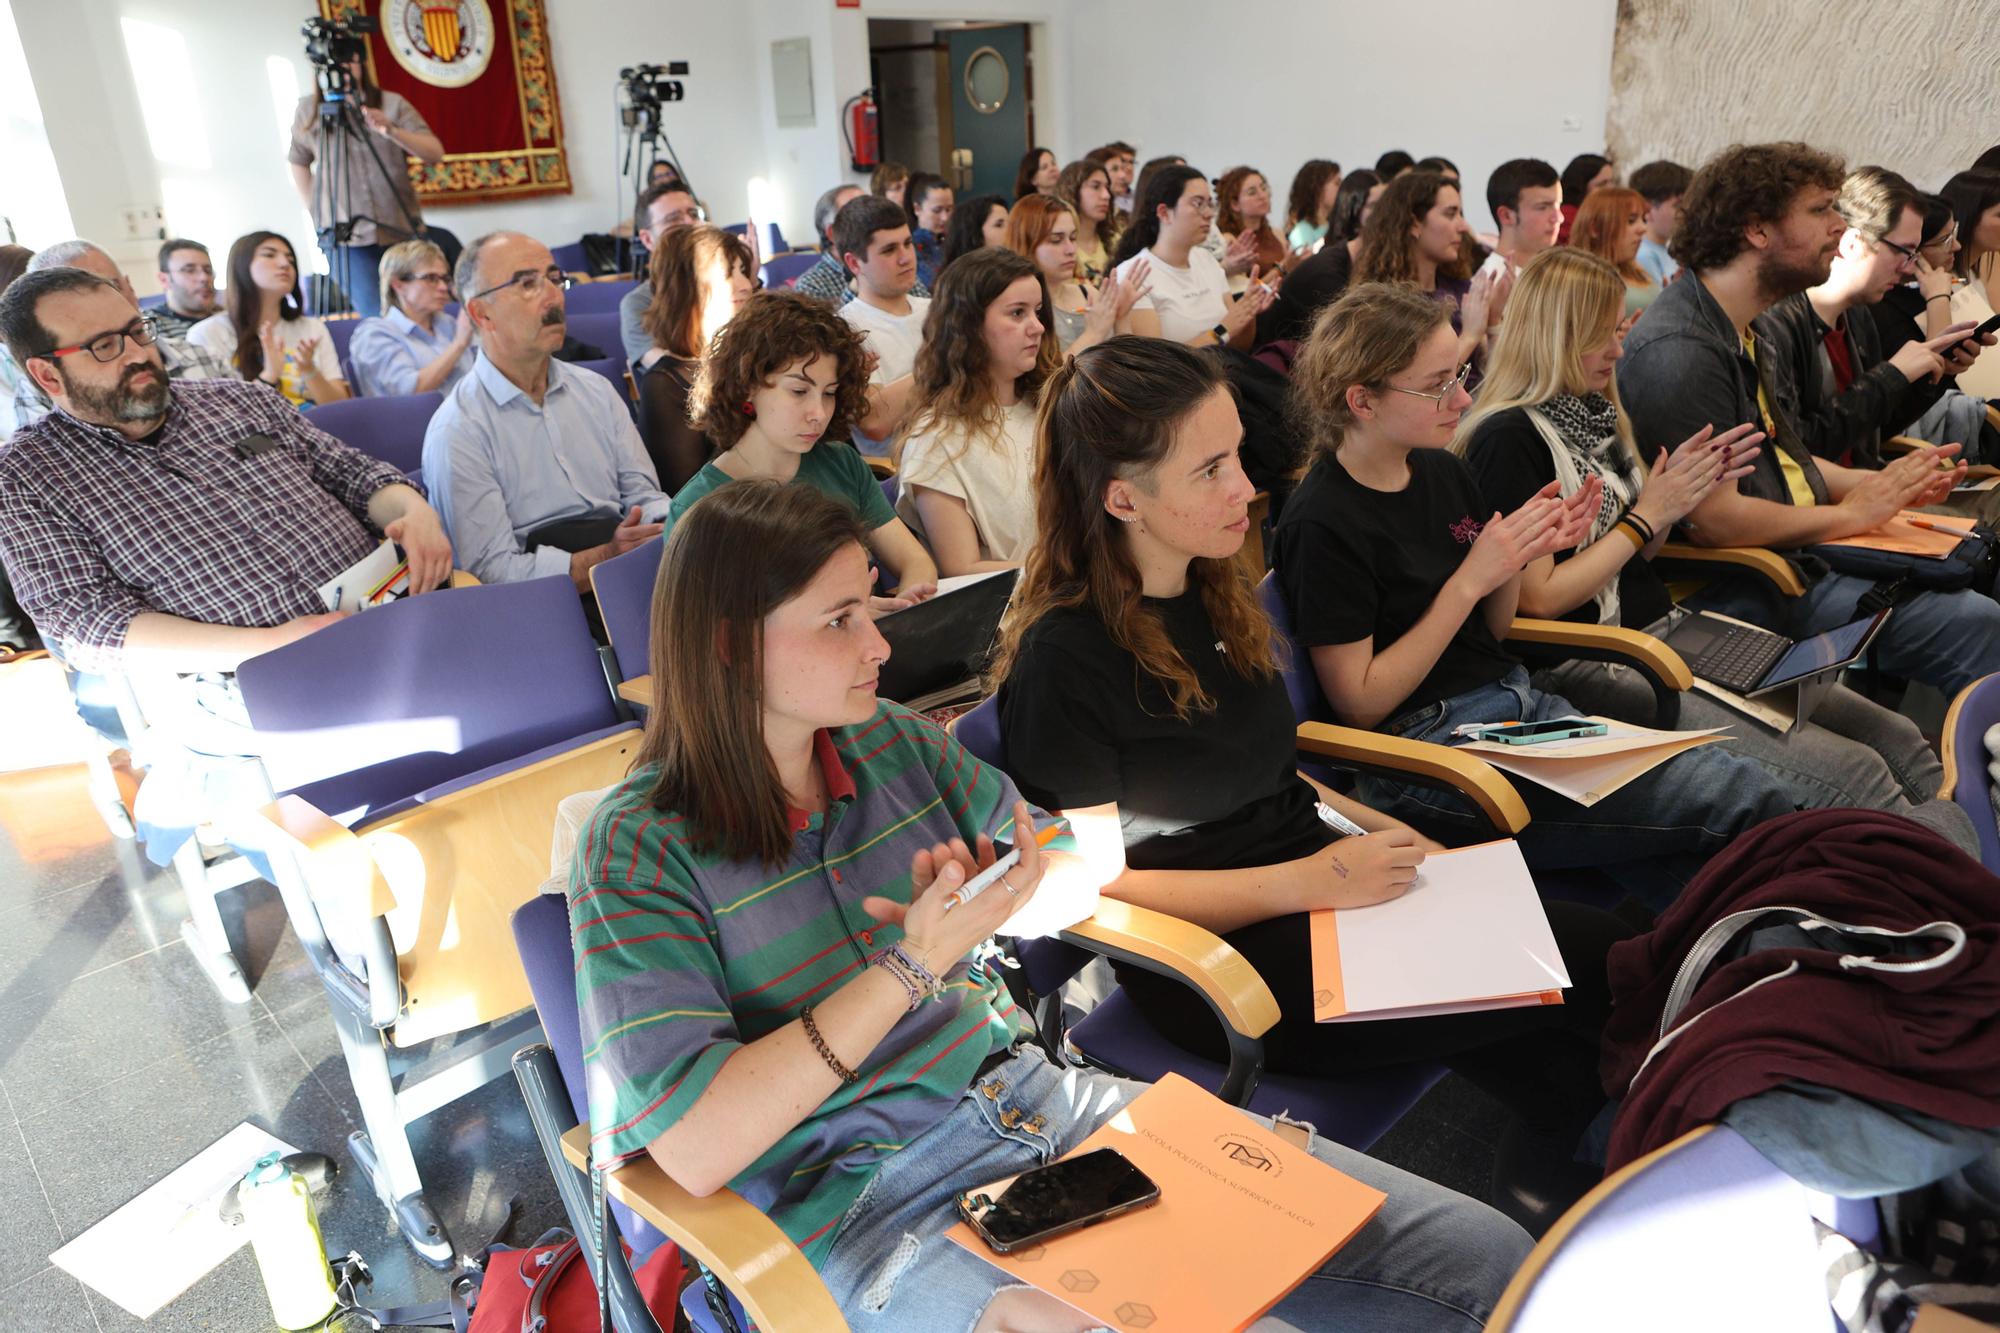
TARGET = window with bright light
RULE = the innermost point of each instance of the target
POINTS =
(33, 209)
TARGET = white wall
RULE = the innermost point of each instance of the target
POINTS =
(1472, 80)
(1345, 81)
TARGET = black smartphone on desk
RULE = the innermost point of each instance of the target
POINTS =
(1062, 1196)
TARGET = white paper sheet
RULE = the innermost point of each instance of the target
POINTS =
(957, 581)
(1470, 934)
(377, 578)
(1586, 769)
(158, 1245)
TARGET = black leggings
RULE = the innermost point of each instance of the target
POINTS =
(1540, 1061)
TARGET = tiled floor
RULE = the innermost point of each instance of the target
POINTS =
(118, 1062)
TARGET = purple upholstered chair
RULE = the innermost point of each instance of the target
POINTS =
(784, 270)
(613, 369)
(391, 429)
(599, 328)
(341, 331)
(390, 737)
(1967, 780)
(623, 586)
(570, 258)
(1355, 1109)
(596, 298)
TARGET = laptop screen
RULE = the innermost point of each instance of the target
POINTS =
(1819, 652)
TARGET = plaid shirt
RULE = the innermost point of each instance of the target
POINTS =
(96, 529)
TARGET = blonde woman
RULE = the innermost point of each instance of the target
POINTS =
(1549, 413)
(416, 345)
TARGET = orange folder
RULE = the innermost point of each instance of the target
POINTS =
(1243, 1217)
(1901, 536)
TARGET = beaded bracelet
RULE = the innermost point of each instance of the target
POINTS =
(825, 1052)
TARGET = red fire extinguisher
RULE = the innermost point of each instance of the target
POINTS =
(863, 130)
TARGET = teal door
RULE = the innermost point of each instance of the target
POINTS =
(989, 105)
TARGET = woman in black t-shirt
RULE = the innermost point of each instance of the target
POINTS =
(1402, 582)
(1549, 411)
(1139, 694)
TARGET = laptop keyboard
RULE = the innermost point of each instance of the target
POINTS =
(1741, 660)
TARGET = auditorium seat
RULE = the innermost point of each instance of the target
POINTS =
(613, 369)
(599, 328)
(784, 270)
(1967, 778)
(570, 258)
(391, 428)
(594, 298)
(623, 586)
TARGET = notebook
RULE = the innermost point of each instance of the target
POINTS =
(939, 646)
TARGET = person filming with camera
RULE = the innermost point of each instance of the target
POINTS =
(349, 165)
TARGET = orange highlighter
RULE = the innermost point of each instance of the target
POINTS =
(986, 878)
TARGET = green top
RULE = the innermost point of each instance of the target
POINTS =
(832, 466)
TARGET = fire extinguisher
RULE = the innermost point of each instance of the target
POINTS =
(860, 124)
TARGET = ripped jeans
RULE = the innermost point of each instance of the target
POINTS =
(1430, 1259)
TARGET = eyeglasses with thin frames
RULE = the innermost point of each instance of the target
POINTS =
(1437, 399)
(1908, 253)
(530, 282)
(109, 346)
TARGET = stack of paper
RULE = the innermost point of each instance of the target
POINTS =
(1470, 934)
(1913, 533)
(1243, 1217)
(1589, 768)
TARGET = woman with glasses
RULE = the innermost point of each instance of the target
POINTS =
(262, 329)
(700, 277)
(1139, 692)
(417, 346)
(1402, 582)
(1189, 299)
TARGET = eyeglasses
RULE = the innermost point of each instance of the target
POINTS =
(108, 346)
(1943, 242)
(1437, 399)
(429, 279)
(1907, 252)
(1202, 203)
(530, 282)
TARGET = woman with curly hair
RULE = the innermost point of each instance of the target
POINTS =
(701, 275)
(1412, 238)
(1314, 188)
(1086, 187)
(781, 387)
(967, 463)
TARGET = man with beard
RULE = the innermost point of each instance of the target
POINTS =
(187, 280)
(1827, 369)
(176, 525)
(535, 464)
(1757, 225)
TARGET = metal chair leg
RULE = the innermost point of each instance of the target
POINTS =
(206, 938)
(382, 1148)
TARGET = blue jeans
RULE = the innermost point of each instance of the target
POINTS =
(1430, 1259)
(1656, 831)
(1946, 639)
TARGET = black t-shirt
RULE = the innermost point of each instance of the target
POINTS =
(1898, 318)
(1317, 282)
(1356, 563)
(1510, 462)
(1084, 725)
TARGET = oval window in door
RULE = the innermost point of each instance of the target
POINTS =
(986, 80)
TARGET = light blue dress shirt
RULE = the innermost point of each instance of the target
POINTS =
(390, 350)
(498, 466)
(1653, 258)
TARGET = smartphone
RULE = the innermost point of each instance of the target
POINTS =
(1540, 733)
(1062, 1196)
(1970, 342)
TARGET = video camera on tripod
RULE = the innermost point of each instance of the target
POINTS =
(647, 86)
(330, 44)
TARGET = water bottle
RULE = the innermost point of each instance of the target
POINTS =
(284, 1233)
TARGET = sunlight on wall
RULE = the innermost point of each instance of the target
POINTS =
(32, 203)
(162, 71)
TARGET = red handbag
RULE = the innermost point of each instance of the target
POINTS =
(548, 1289)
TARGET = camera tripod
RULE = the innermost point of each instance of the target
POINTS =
(340, 120)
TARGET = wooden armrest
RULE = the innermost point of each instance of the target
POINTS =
(638, 690)
(1993, 416)
(338, 861)
(1468, 774)
(1903, 444)
(1774, 568)
(462, 579)
(881, 465)
(1608, 641)
(1203, 958)
(745, 1250)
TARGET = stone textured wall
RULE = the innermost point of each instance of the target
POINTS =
(1913, 85)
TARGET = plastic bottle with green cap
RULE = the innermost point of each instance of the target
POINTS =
(284, 1233)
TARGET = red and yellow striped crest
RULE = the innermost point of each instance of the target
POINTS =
(441, 30)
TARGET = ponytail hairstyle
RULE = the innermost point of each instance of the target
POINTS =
(1164, 188)
(1374, 330)
(1113, 411)
(735, 556)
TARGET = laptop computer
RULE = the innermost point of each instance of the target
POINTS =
(939, 646)
(1752, 661)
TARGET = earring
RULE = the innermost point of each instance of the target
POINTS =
(749, 408)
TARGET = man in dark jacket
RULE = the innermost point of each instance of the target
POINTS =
(1827, 370)
(1757, 225)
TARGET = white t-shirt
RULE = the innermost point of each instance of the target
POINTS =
(893, 338)
(218, 335)
(1188, 300)
(992, 472)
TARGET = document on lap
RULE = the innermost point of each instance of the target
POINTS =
(1587, 769)
(378, 578)
(1470, 934)
(1931, 536)
(1235, 1198)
